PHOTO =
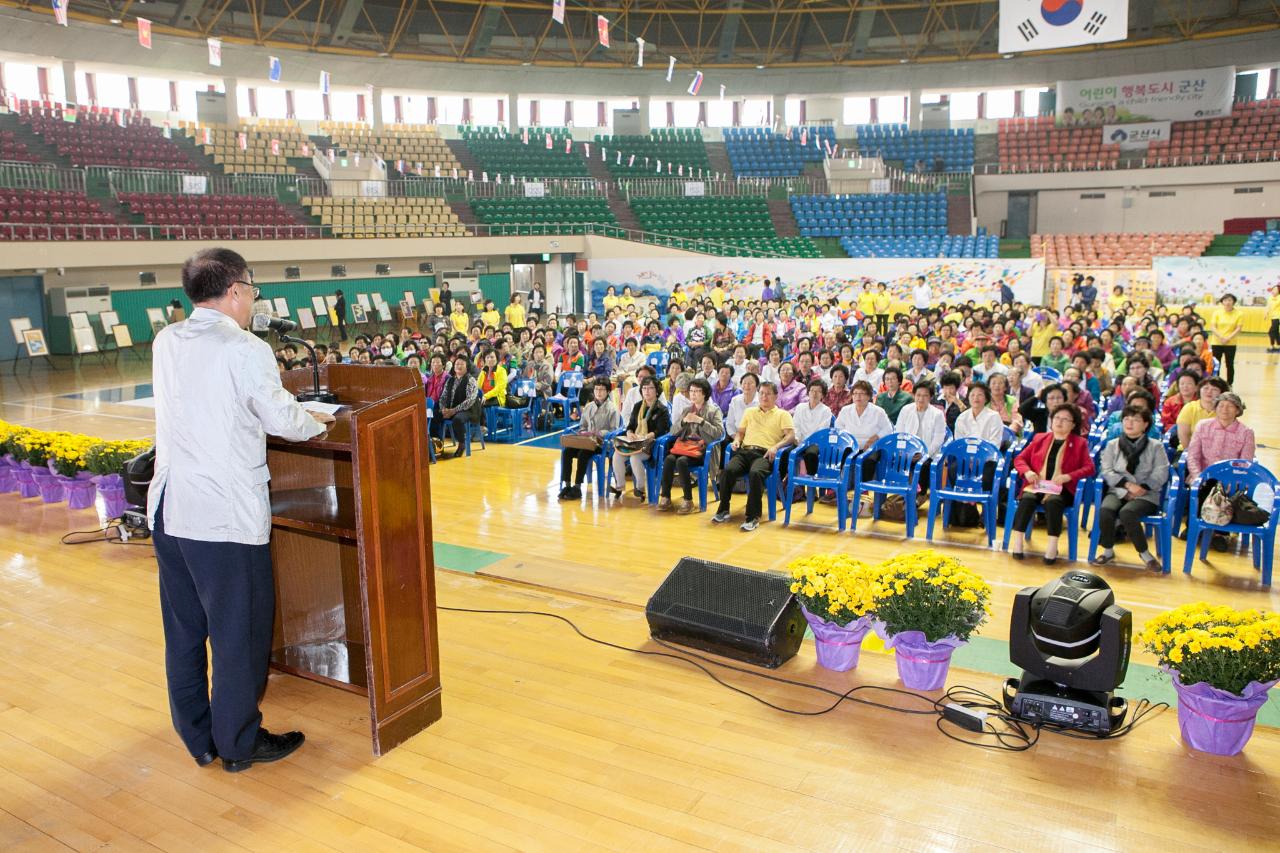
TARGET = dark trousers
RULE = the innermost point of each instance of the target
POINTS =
(1274, 333)
(749, 462)
(678, 466)
(1129, 513)
(1054, 506)
(882, 320)
(342, 329)
(460, 420)
(223, 593)
(1226, 356)
(567, 455)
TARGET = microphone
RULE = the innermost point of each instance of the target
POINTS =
(265, 322)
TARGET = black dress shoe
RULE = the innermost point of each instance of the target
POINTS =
(1049, 561)
(268, 748)
(206, 759)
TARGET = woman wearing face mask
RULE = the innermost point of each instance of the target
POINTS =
(457, 400)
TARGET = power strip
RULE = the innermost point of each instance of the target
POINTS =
(966, 718)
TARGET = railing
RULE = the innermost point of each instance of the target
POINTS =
(744, 186)
(558, 187)
(431, 187)
(188, 183)
(44, 232)
(39, 176)
(1147, 162)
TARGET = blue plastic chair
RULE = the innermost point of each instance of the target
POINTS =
(770, 484)
(1159, 524)
(596, 472)
(897, 473)
(835, 450)
(473, 429)
(508, 424)
(431, 413)
(566, 395)
(1235, 476)
(1050, 374)
(700, 473)
(956, 475)
(1070, 520)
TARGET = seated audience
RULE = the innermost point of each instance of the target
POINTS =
(1134, 470)
(1049, 468)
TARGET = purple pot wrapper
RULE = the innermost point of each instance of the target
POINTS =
(113, 501)
(80, 491)
(8, 482)
(837, 646)
(922, 665)
(25, 475)
(51, 490)
(1215, 721)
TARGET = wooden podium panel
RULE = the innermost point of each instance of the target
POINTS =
(352, 548)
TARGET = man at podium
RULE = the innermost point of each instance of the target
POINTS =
(218, 395)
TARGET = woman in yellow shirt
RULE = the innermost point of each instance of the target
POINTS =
(626, 300)
(867, 301)
(678, 296)
(1273, 314)
(490, 316)
(459, 318)
(610, 299)
(882, 303)
(1226, 324)
(717, 295)
(1043, 329)
(515, 312)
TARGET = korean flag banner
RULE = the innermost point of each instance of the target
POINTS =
(1046, 24)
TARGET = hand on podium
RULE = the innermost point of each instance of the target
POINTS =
(322, 417)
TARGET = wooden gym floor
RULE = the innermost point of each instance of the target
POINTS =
(550, 742)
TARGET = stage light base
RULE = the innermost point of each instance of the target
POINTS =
(1038, 701)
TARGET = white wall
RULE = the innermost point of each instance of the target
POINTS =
(1204, 198)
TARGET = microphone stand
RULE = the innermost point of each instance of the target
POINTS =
(317, 394)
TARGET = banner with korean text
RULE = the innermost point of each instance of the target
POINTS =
(1157, 96)
(1136, 136)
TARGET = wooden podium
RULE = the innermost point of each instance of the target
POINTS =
(352, 548)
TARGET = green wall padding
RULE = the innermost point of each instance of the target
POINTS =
(132, 305)
(496, 286)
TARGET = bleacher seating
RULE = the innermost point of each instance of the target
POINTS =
(55, 215)
(412, 143)
(96, 138)
(950, 148)
(761, 152)
(1116, 250)
(350, 216)
(951, 246)
(871, 215)
(1261, 244)
(230, 216)
(268, 145)
(679, 146)
(1252, 131)
(14, 149)
(725, 218)
(500, 153)
(518, 210)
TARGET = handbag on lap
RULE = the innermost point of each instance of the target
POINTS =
(591, 441)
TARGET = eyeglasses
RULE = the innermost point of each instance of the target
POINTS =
(252, 287)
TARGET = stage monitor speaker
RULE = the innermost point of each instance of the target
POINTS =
(736, 613)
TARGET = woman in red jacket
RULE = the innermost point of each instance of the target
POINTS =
(1050, 467)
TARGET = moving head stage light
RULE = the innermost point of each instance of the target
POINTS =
(1072, 643)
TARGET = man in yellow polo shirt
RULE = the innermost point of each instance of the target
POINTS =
(1201, 409)
(764, 430)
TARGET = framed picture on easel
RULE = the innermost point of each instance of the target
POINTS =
(122, 335)
(359, 315)
(19, 325)
(306, 319)
(34, 341)
(156, 320)
(85, 339)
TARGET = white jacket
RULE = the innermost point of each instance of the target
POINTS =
(986, 426)
(872, 422)
(929, 426)
(218, 395)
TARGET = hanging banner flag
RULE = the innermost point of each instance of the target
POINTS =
(631, 161)
(548, 142)
(355, 159)
(568, 145)
(144, 33)
(273, 69)
(586, 149)
(242, 139)
(324, 82)
(804, 136)
(680, 170)
(118, 117)
(499, 177)
(484, 177)
(400, 166)
(437, 170)
(639, 52)
(787, 135)
(419, 169)
(471, 175)
(722, 92)
(668, 167)
(671, 67)
(619, 160)
(557, 11)
(696, 84)
(659, 164)
(524, 135)
(275, 147)
(602, 27)
(60, 11)
(215, 52)
(603, 153)
(168, 131)
(1045, 24)
(207, 136)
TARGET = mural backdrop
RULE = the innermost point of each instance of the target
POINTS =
(823, 278)
(1180, 281)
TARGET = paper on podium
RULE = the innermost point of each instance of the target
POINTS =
(322, 408)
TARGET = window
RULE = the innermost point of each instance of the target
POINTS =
(484, 111)
(113, 90)
(308, 105)
(931, 98)
(551, 112)
(586, 113)
(964, 106)
(1000, 103)
(892, 109)
(187, 90)
(755, 112)
(791, 112)
(686, 113)
(657, 113)
(449, 109)
(524, 111)
(1031, 100)
(720, 113)
(23, 80)
(857, 111)
(242, 102)
(271, 102)
(343, 106)
(153, 94)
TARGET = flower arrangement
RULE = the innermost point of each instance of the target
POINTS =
(67, 452)
(930, 593)
(33, 447)
(1225, 648)
(108, 457)
(9, 434)
(834, 587)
